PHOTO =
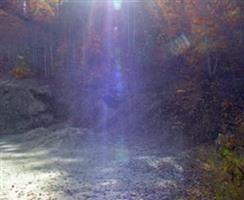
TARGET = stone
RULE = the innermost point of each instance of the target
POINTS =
(24, 105)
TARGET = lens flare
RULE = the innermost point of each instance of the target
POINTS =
(117, 4)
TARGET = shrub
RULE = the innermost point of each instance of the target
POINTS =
(223, 178)
(20, 72)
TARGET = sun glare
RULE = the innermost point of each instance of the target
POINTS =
(117, 4)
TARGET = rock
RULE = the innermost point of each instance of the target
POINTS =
(24, 105)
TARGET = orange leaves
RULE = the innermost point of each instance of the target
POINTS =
(198, 20)
(208, 23)
(40, 10)
(20, 72)
(208, 18)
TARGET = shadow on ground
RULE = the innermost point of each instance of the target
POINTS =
(73, 163)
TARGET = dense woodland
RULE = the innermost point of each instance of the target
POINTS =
(189, 51)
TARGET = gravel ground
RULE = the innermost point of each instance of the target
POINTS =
(71, 164)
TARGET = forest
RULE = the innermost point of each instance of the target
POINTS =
(121, 100)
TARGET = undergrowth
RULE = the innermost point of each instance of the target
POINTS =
(221, 171)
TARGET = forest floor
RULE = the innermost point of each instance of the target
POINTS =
(72, 163)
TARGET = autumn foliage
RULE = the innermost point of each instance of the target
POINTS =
(69, 41)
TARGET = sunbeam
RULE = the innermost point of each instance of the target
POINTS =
(117, 4)
(121, 99)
